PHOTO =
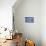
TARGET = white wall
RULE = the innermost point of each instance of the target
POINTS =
(6, 13)
(30, 30)
(6, 17)
(43, 22)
